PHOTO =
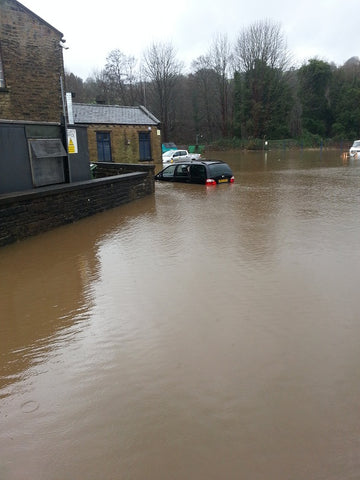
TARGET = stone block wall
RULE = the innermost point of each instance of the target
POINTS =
(32, 62)
(108, 169)
(29, 213)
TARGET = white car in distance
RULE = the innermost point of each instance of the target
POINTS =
(172, 156)
(355, 149)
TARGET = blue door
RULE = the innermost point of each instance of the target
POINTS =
(103, 146)
(145, 146)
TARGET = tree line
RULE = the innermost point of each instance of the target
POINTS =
(245, 91)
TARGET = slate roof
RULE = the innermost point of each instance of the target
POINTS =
(112, 114)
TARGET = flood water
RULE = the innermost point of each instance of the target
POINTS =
(197, 334)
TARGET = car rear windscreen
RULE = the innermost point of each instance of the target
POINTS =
(220, 169)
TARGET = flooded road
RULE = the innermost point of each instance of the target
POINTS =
(198, 334)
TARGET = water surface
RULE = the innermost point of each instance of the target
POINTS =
(200, 333)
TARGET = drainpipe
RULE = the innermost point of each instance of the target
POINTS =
(68, 170)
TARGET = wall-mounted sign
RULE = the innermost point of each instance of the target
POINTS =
(72, 140)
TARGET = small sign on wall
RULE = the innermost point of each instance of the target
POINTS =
(72, 140)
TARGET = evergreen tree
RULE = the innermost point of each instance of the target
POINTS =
(314, 93)
(263, 100)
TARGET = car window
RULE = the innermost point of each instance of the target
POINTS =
(198, 172)
(182, 170)
(169, 171)
(219, 169)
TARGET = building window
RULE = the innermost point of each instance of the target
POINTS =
(103, 146)
(2, 76)
(145, 146)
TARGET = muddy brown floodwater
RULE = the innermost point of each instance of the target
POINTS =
(197, 334)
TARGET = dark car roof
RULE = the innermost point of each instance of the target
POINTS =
(197, 162)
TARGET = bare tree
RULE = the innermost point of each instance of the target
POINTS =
(205, 89)
(261, 57)
(120, 72)
(261, 42)
(162, 71)
(351, 69)
(98, 87)
(212, 73)
(75, 85)
(220, 58)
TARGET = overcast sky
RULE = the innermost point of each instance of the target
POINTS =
(326, 29)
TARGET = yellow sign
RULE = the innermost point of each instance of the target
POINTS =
(72, 140)
(71, 147)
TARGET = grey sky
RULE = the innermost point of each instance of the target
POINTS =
(326, 29)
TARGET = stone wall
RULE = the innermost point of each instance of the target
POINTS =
(33, 63)
(32, 212)
(107, 169)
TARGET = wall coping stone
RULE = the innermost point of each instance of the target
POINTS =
(87, 184)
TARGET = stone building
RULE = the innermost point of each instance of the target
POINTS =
(120, 134)
(31, 64)
(33, 150)
(45, 177)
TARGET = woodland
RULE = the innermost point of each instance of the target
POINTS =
(238, 94)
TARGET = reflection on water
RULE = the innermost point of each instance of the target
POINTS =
(46, 287)
(202, 333)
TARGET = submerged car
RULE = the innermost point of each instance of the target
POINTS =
(355, 149)
(209, 172)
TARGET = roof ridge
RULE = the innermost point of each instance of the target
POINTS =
(113, 114)
(106, 105)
